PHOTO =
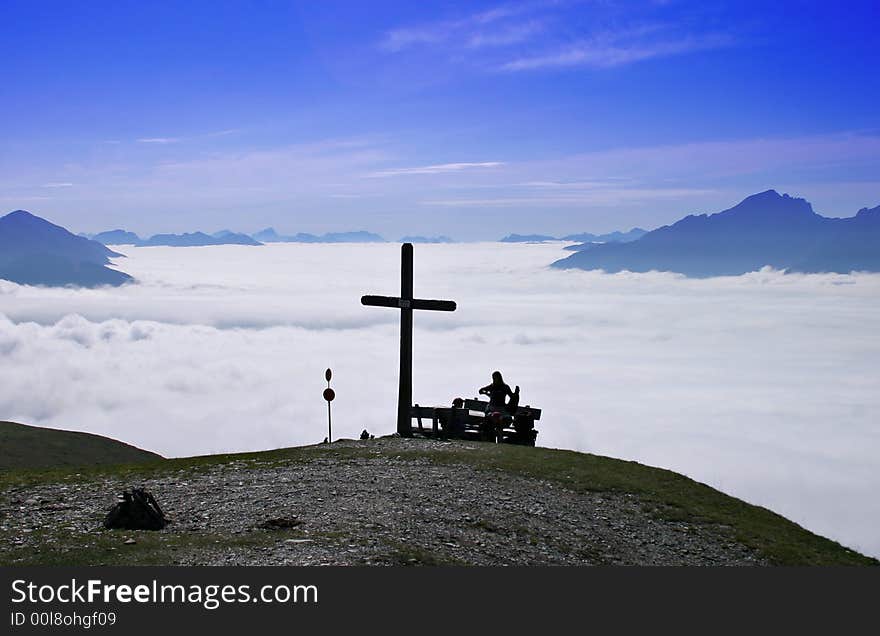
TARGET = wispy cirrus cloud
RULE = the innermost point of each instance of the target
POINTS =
(174, 140)
(486, 28)
(598, 196)
(506, 35)
(542, 36)
(440, 168)
(158, 140)
(57, 184)
(616, 49)
(223, 133)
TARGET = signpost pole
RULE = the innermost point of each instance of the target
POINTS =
(329, 394)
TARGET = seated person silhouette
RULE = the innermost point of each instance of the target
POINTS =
(498, 408)
(498, 391)
(454, 422)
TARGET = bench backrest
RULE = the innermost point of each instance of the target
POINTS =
(422, 411)
(523, 411)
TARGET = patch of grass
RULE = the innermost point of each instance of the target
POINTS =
(107, 547)
(23, 446)
(135, 472)
(408, 554)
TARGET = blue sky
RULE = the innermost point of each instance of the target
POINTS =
(472, 119)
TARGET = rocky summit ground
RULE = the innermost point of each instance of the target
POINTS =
(384, 501)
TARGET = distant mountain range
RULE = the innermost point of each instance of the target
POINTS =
(426, 239)
(269, 235)
(764, 229)
(36, 252)
(585, 237)
(193, 239)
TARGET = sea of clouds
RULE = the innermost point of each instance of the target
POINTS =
(763, 385)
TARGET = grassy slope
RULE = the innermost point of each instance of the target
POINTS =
(23, 446)
(665, 493)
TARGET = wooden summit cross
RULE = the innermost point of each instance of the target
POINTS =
(406, 303)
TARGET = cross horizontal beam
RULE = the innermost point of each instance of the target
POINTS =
(406, 303)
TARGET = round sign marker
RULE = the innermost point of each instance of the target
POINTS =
(329, 394)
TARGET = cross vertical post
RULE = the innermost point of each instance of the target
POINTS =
(404, 394)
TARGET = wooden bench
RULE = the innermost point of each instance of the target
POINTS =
(472, 422)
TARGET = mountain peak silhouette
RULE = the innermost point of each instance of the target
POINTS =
(34, 251)
(23, 216)
(770, 205)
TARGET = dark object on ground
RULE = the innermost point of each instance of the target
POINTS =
(365, 434)
(279, 523)
(138, 510)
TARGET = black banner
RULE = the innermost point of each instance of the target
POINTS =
(167, 600)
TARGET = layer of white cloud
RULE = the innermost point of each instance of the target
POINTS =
(763, 385)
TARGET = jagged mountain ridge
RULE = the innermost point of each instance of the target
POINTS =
(765, 229)
(269, 235)
(189, 239)
(584, 237)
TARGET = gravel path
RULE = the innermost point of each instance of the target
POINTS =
(370, 510)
